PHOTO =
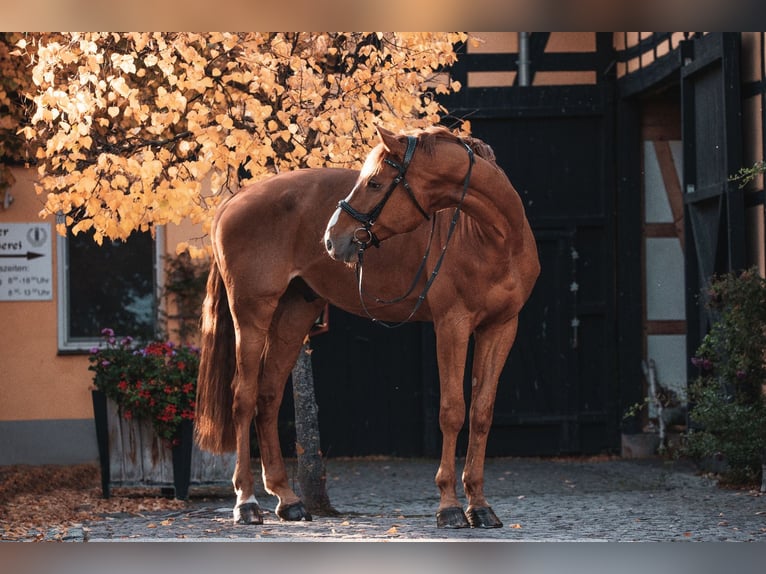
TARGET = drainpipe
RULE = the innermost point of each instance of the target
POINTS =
(523, 61)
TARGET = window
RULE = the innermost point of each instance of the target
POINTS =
(110, 285)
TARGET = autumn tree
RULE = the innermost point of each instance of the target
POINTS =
(134, 130)
(15, 82)
(127, 127)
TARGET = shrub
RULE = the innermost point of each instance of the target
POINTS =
(728, 410)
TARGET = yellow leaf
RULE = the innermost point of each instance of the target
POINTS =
(392, 530)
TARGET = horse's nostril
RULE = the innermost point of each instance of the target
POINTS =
(328, 244)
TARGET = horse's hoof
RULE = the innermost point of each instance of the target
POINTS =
(451, 518)
(248, 513)
(482, 517)
(294, 512)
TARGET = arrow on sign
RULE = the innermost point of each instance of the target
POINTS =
(27, 255)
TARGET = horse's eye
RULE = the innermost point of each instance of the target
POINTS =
(372, 184)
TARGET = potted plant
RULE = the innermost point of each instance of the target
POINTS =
(144, 403)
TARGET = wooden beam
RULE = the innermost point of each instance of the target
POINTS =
(672, 186)
(667, 327)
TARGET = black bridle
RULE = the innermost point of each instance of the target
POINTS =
(367, 237)
(368, 219)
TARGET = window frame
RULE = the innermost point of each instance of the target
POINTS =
(66, 345)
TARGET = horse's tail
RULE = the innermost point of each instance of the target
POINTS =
(214, 424)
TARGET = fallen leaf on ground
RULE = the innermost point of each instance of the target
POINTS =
(36, 499)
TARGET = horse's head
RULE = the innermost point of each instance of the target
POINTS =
(383, 202)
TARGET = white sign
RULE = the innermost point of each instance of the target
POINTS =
(26, 265)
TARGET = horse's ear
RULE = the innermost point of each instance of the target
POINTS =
(389, 139)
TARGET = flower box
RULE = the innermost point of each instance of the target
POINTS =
(144, 408)
(131, 454)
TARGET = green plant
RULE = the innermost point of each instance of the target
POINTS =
(185, 282)
(156, 381)
(747, 174)
(728, 411)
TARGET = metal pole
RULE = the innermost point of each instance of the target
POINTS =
(523, 61)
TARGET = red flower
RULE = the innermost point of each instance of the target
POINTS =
(168, 414)
(158, 349)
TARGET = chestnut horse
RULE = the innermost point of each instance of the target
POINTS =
(271, 276)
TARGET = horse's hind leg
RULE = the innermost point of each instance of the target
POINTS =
(291, 322)
(251, 321)
(490, 353)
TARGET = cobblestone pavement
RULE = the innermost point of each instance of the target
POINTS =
(537, 500)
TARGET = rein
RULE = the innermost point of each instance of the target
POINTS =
(373, 240)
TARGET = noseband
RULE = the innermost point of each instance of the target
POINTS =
(364, 235)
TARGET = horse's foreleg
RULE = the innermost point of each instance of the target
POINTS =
(490, 353)
(451, 347)
(291, 322)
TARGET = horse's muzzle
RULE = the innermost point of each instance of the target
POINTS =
(341, 249)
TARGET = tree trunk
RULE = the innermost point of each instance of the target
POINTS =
(312, 477)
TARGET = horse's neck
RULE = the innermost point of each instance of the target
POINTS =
(494, 204)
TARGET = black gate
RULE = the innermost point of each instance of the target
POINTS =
(714, 206)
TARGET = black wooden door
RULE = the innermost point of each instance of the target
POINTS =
(558, 393)
(714, 206)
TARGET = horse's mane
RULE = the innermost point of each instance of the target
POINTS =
(428, 136)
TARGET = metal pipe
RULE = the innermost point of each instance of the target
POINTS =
(523, 61)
